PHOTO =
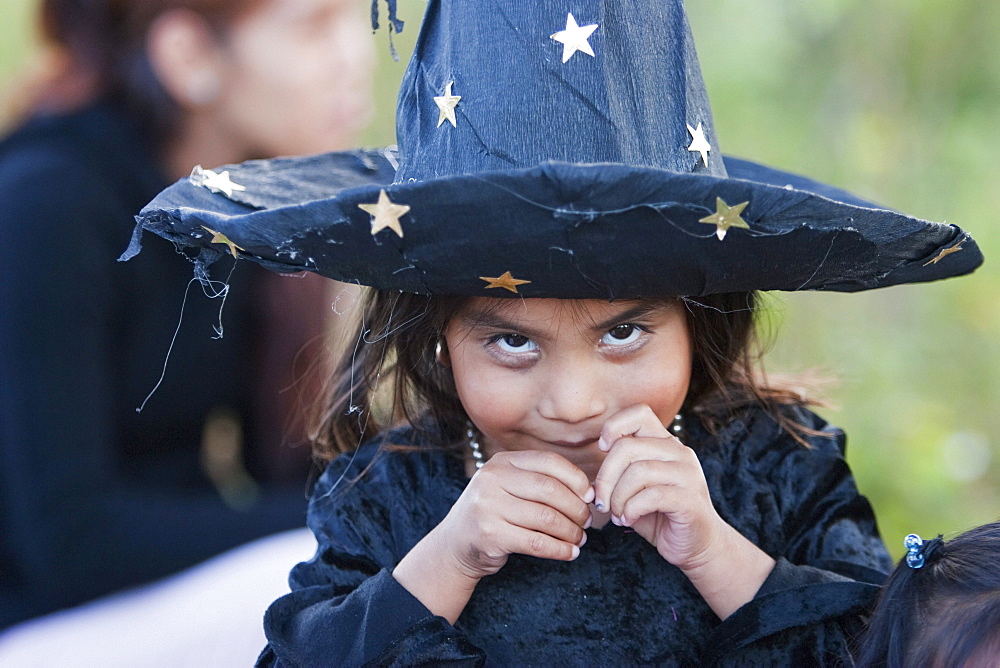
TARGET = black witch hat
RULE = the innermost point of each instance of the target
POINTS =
(554, 150)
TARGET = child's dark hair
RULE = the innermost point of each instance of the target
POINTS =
(396, 340)
(945, 613)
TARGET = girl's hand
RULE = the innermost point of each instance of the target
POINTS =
(652, 482)
(527, 502)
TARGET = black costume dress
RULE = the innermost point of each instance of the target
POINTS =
(94, 496)
(619, 603)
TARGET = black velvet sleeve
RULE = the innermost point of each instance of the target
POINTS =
(378, 622)
(830, 561)
(345, 607)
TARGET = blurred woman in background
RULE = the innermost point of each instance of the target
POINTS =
(95, 496)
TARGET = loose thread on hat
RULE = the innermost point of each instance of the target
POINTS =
(223, 292)
(395, 25)
(170, 349)
(351, 409)
(690, 302)
(365, 416)
(821, 263)
(394, 22)
(205, 283)
(590, 215)
(391, 153)
(335, 304)
(392, 46)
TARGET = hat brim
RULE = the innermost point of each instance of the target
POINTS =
(566, 230)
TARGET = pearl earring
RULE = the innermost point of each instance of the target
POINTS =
(440, 354)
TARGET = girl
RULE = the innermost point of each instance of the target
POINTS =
(941, 606)
(567, 452)
(96, 497)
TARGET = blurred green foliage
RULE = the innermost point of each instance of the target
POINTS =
(899, 101)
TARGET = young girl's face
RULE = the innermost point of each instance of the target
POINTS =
(545, 374)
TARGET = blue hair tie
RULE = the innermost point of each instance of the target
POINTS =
(914, 557)
(917, 550)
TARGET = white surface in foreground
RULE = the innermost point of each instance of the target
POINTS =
(209, 615)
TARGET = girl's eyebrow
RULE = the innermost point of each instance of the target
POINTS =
(637, 312)
(490, 319)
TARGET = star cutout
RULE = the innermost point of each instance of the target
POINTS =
(699, 143)
(945, 252)
(446, 106)
(574, 38)
(218, 183)
(726, 216)
(220, 238)
(506, 281)
(385, 214)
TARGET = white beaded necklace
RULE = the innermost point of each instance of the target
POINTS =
(477, 452)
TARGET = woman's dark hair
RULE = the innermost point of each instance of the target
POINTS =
(103, 46)
(394, 351)
(946, 613)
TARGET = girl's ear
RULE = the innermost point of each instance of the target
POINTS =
(441, 353)
(185, 56)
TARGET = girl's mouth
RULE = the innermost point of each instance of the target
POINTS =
(573, 444)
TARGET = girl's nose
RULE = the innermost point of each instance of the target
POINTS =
(573, 394)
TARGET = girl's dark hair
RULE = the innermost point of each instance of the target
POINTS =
(103, 47)
(394, 350)
(946, 613)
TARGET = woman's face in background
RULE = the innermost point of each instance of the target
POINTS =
(296, 77)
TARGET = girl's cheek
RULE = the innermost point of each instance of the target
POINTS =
(485, 389)
(663, 393)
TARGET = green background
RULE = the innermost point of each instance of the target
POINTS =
(899, 101)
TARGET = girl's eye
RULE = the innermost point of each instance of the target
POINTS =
(621, 335)
(515, 343)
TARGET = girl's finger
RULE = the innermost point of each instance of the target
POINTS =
(536, 544)
(629, 450)
(541, 518)
(685, 476)
(638, 420)
(552, 465)
(643, 474)
(655, 499)
(545, 489)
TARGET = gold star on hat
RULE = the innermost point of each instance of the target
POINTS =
(446, 106)
(726, 216)
(506, 281)
(218, 182)
(220, 238)
(574, 38)
(946, 252)
(699, 143)
(385, 213)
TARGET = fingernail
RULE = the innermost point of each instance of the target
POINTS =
(624, 522)
(590, 520)
(576, 553)
(599, 505)
(589, 496)
(583, 541)
(602, 444)
(614, 520)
